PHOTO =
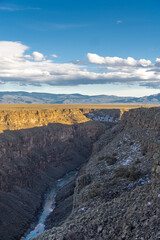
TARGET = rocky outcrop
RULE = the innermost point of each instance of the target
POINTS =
(30, 161)
(23, 116)
(105, 115)
(117, 192)
(147, 118)
(14, 119)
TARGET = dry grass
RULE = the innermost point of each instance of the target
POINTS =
(24, 106)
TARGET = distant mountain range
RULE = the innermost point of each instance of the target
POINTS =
(48, 98)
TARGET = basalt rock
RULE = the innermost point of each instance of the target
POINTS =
(119, 200)
(30, 161)
(17, 118)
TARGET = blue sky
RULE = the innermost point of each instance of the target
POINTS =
(88, 46)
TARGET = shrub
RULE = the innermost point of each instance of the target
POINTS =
(111, 160)
(114, 154)
(100, 158)
(134, 174)
(102, 172)
(122, 172)
(131, 173)
(74, 236)
(137, 161)
(94, 192)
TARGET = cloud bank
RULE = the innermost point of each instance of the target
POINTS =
(34, 68)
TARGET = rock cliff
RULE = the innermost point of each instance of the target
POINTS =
(23, 116)
(30, 161)
(117, 192)
(15, 119)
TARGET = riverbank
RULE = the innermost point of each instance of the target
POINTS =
(49, 205)
(64, 205)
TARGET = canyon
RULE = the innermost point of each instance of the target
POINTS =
(116, 151)
(31, 160)
(117, 192)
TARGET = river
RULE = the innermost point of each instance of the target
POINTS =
(49, 205)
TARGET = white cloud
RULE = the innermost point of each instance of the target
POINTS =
(117, 61)
(16, 65)
(12, 49)
(37, 56)
(28, 56)
(54, 56)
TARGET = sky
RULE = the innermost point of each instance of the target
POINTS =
(89, 47)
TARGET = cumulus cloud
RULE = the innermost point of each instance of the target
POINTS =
(117, 61)
(12, 49)
(37, 56)
(19, 64)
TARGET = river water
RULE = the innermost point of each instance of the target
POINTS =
(49, 205)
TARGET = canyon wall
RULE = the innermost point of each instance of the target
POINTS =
(143, 117)
(30, 161)
(15, 119)
(23, 116)
(117, 192)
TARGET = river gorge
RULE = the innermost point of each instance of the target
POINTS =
(113, 152)
(31, 161)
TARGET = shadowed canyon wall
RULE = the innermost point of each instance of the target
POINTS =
(117, 192)
(30, 161)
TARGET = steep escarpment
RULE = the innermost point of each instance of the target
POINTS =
(30, 161)
(117, 193)
(145, 118)
(29, 118)
(23, 116)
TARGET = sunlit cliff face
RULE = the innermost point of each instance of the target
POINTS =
(22, 119)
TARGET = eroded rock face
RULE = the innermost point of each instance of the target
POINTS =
(148, 118)
(14, 119)
(30, 161)
(105, 115)
(116, 195)
(29, 116)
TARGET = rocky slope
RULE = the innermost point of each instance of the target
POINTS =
(30, 161)
(117, 192)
